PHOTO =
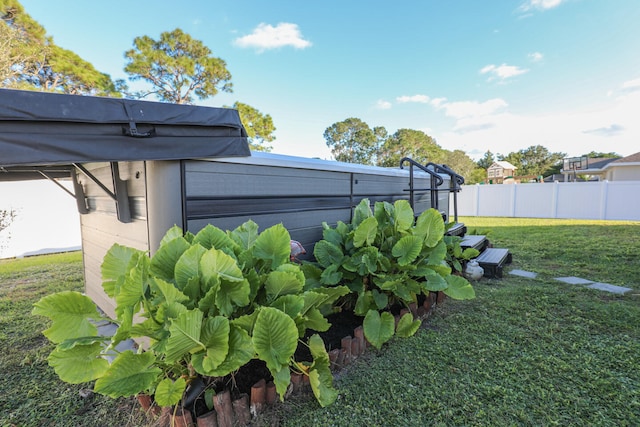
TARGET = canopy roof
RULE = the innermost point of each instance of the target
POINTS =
(51, 131)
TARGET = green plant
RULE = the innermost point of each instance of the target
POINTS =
(387, 257)
(207, 304)
(456, 257)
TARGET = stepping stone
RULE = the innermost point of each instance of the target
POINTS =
(574, 280)
(523, 273)
(609, 288)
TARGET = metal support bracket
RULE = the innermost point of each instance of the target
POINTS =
(120, 194)
(78, 191)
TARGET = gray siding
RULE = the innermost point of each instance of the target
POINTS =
(101, 229)
(228, 194)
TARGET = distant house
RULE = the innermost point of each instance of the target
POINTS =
(499, 171)
(585, 168)
(611, 169)
(624, 169)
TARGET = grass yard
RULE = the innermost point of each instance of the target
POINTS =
(32, 394)
(525, 352)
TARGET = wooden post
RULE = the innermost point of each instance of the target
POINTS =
(258, 397)
(241, 410)
(222, 405)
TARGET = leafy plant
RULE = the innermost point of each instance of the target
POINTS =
(206, 304)
(387, 257)
(457, 257)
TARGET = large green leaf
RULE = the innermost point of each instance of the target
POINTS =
(365, 232)
(280, 283)
(240, 352)
(231, 295)
(168, 392)
(245, 235)
(327, 254)
(361, 212)
(314, 320)
(215, 336)
(184, 335)
(188, 267)
(273, 245)
(128, 375)
(282, 379)
(133, 288)
(70, 313)
(172, 233)
(168, 291)
(402, 215)
(79, 364)
(115, 265)
(275, 338)
(430, 225)
(407, 326)
(459, 288)
(290, 304)
(364, 303)
(216, 265)
(330, 294)
(438, 253)
(163, 262)
(407, 249)
(320, 376)
(332, 235)
(434, 281)
(213, 237)
(331, 275)
(378, 328)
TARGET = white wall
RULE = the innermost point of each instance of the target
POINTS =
(578, 200)
(47, 218)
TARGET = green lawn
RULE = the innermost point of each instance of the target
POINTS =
(532, 352)
(31, 393)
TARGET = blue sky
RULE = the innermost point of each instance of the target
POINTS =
(476, 75)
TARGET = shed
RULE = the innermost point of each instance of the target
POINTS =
(140, 167)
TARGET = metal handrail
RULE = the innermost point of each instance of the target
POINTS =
(436, 181)
(456, 182)
(459, 179)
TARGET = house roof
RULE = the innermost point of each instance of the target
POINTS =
(504, 165)
(600, 162)
(633, 158)
(40, 129)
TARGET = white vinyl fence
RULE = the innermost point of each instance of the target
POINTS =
(619, 200)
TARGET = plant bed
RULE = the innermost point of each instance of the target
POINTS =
(231, 315)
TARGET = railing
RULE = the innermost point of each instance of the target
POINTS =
(436, 181)
(454, 184)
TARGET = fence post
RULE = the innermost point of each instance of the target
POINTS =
(513, 200)
(554, 200)
(476, 194)
(604, 191)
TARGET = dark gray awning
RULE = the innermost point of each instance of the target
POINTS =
(41, 130)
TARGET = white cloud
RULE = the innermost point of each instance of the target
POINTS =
(631, 85)
(535, 56)
(472, 109)
(481, 126)
(437, 102)
(612, 130)
(503, 71)
(381, 104)
(266, 36)
(540, 4)
(423, 99)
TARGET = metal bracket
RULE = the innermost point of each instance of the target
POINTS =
(120, 194)
(78, 192)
